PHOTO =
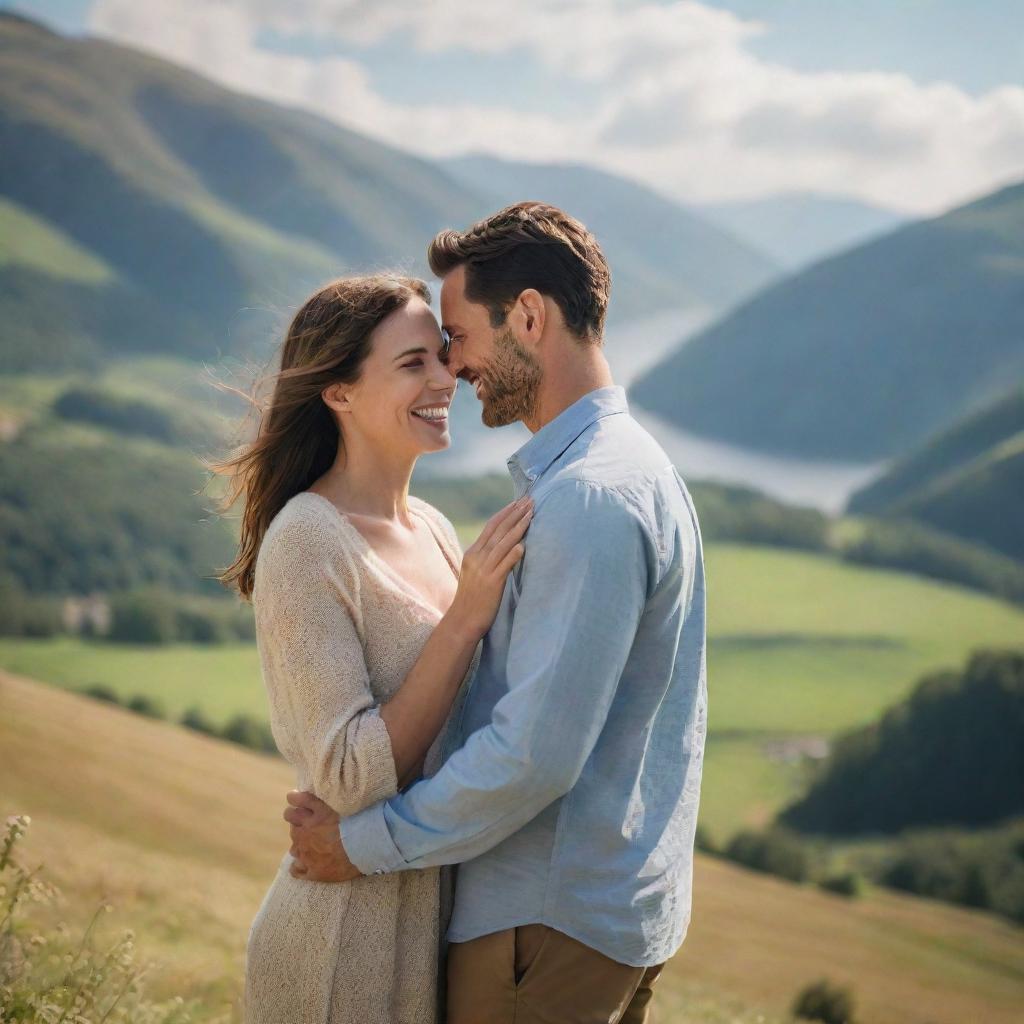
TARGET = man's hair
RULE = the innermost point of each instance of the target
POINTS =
(530, 245)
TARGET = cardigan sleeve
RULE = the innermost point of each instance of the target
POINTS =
(315, 670)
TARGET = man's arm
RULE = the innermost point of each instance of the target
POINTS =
(583, 589)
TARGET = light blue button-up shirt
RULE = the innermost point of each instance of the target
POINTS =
(569, 795)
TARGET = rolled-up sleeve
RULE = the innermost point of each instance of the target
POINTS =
(582, 590)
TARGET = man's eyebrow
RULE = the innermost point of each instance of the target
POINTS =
(411, 352)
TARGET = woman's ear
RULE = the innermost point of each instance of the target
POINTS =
(335, 397)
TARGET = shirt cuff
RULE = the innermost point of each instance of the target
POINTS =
(368, 842)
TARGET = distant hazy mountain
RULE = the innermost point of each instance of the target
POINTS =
(969, 480)
(799, 228)
(663, 256)
(866, 354)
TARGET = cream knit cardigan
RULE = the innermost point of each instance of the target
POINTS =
(338, 631)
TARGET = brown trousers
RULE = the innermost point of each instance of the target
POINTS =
(536, 975)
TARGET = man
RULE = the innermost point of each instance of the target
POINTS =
(572, 802)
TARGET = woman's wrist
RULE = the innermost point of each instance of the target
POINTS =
(459, 626)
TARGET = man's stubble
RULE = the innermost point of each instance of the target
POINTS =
(511, 382)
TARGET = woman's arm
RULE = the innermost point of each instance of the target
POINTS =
(416, 714)
(355, 752)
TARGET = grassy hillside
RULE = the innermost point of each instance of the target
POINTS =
(663, 256)
(867, 354)
(183, 834)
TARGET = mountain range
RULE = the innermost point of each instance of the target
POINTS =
(796, 229)
(864, 355)
(145, 208)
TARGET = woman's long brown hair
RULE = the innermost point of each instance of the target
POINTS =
(296, 439)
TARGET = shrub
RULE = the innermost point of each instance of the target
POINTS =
(775, 852)
(825, 1002)
(248, 732)
(849, 884)
(29, 614)
(101, 692)
(143, 705)
(729, 512)
(983, 870)
(704, 841)
(156, 616)
(195, 719)
(143, 617)
(906, 545)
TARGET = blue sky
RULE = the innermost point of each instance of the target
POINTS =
(915, 105)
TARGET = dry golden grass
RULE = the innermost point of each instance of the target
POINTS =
(183, 834)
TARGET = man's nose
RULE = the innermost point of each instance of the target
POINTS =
(454, 361)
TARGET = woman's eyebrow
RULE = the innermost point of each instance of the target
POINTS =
(411, 352)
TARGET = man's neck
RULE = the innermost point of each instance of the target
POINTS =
(566, 380)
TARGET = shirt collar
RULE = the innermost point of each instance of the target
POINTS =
(553, 438)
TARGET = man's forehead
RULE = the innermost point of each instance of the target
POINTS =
(453, 299)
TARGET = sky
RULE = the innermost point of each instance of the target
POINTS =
(915, 105)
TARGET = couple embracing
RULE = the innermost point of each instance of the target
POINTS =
(532, 711)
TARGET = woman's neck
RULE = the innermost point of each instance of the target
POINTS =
(369, 483)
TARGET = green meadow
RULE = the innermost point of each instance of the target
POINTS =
(801, 646)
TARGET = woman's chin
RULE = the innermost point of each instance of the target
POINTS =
(442, 443)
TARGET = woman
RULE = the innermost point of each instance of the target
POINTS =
(367, 626)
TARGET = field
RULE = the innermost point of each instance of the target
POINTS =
(801, 646)
(182, 834)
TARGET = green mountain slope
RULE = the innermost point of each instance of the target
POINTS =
(867, 354)
(981, 502)
(197, 203)
(663, 256)
(969, 480)
(147, 209)
(950, 450)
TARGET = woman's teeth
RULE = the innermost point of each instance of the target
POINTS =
(435, 414)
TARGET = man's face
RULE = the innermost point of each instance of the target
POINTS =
(505, 375)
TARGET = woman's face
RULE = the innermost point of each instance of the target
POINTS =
(404, 390)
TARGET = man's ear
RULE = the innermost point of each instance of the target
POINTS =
(530, 314)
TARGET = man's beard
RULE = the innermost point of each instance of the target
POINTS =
(511, 382)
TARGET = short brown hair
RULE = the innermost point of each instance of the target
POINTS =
(530, 245)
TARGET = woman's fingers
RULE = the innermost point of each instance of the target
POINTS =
(502, 543)
(511, 559)
(495, 521)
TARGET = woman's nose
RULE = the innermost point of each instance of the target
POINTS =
(443, 378)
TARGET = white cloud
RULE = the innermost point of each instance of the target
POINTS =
(676, 97)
